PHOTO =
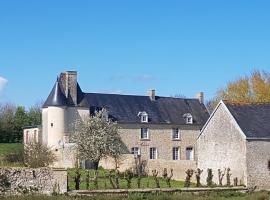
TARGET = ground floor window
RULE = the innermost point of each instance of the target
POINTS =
(153, 153)
(135, 151)
(175, 153)
(189, 153)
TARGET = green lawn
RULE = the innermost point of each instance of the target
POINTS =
(104, 182)
(8, 148)
(178, 196)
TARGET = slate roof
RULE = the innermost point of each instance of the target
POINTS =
(125, 108)
(56, 97)
(253, 119)
(168, 110)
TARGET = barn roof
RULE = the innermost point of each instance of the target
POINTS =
(253, 119)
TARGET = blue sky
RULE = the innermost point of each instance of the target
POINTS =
(176, 47)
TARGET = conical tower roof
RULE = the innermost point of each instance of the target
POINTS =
(56, 97)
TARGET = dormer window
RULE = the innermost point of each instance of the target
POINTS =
(144, 117)
(188, 118)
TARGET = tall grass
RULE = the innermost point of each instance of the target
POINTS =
(163, 196)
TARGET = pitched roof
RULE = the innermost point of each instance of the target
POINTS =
(125, 108)
(56, 97)
(253, 119)
(169, 110)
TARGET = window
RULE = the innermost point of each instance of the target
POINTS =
(189, 120)
(175, 153)
(175, 134)
(144, 116)
(188, 117)
(144, 133)
(135, 151)
(268, 165)
(189, 153)
(153, 153)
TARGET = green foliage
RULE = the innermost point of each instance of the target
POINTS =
(104, 180)
(11, 154)
(160, 196)
(13, 119)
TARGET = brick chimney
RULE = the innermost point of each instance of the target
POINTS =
(152, 94)
(69, 85)
(200, 97)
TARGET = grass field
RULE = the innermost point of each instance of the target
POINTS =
(179, 196)
(104, 182)
(8, 148)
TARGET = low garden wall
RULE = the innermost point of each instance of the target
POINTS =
(27, 180)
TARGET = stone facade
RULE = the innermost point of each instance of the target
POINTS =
(220, 146)
(160, 137)
(258, 158)
(41, 180)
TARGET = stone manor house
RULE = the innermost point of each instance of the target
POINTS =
(163, 130)
(166, 132)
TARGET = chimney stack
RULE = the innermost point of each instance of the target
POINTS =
(69, 85)
(200, 97)
(152, 94)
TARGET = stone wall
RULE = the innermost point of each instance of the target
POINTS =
(258, 158)
(222, 145)
(40, 180)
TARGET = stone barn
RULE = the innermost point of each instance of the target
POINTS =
(237, 136)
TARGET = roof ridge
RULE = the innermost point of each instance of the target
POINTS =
(134, 95)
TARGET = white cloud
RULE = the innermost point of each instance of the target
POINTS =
(3, 83)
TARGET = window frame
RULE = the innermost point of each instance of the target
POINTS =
(132, 151)
(147, 133)
(178, 153)
(189, 119)
(143, 117)
(192, 155)
(173, 134)
(155, 155)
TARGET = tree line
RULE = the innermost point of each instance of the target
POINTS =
(252, 88)
(14, 118)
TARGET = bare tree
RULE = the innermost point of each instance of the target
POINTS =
(38, 155)
(97, 137)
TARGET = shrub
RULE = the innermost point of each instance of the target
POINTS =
(189, 173)
(209, 179)
(38, 155)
